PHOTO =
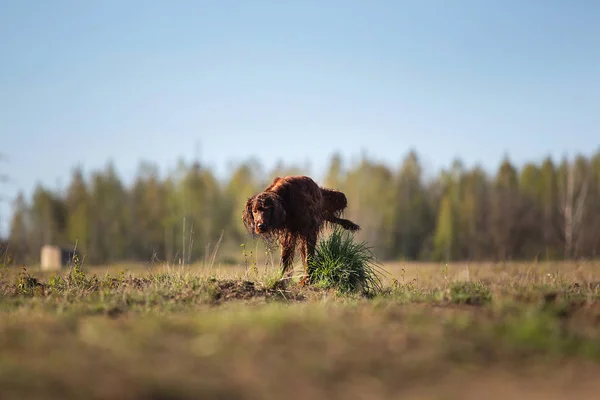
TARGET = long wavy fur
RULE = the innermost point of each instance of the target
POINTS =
(300, 211)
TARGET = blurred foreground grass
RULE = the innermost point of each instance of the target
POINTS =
(440, 332)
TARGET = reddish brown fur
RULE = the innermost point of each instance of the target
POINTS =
(294, 210)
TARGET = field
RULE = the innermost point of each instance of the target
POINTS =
(456, 331)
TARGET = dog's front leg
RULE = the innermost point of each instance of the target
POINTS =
(288, 250)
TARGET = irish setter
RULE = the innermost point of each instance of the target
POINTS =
(294, 210)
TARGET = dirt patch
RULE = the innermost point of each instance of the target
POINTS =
(246, 290)
(133, 282)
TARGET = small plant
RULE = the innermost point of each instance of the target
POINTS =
(344, 265)
(26, 284)
(249, 259)
(445, 272)
(77, 278)
(57, 284)
(474, 293)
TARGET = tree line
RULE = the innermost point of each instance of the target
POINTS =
(549, 210)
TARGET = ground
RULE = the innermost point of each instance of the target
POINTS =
(457, 331)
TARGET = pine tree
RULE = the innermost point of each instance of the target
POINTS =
(20, 231)
(531, 194)
(412, 218)
(473, 221)
(371, 190)
(506, 210)
(109, 241)
(48, 220)
(444, 238)
(78, 211)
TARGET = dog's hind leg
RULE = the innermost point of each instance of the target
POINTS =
(344, 223)
(308, 247)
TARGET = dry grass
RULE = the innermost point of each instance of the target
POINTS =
(459, 331)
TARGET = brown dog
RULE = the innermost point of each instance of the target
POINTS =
(295, 209)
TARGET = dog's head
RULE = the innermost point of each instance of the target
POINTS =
(264, 213)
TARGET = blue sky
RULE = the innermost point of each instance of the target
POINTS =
(82, 82)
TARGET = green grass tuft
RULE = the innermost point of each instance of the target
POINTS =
(344, 265)
(474, 293)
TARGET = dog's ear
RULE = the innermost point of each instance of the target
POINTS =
(279, 214)
(247, 217)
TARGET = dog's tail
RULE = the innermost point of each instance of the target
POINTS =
(334, 202)
(344, 223)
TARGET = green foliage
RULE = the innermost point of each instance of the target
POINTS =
(412, 217)
(341, 263)
(4, 262)
(445, 230)
(459, 214)
(411, 292)
(78, 206)
(249, 259)
(475, 293)
(27, 285)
